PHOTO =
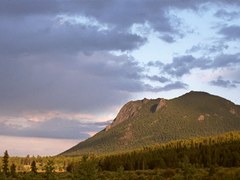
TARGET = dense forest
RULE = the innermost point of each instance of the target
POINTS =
(215, 157)
(221, 150)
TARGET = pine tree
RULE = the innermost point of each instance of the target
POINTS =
(13, 170)
(5, 163)
(33, 167)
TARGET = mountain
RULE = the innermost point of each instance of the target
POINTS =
(150, 121)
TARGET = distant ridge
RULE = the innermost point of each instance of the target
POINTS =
(149, 121)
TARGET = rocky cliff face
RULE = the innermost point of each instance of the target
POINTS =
(129, 110)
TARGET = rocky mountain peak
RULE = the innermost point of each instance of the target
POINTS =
(129, 110)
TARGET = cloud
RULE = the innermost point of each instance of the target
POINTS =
(223, 14)
(155, 64)
(156, 78)
(231, 32)
(54, 128)
(60, 128)
(95, 8)
(44, 34)
(236, 82)
(17, 146)
(208, 49)
(56, 26)
(24, 8)
(39, 27)
(167, 38)
(182, 65)
(168, 87)
(85, 84)
(223, 83)
(226, 60)
(175, 85)
(68, 83)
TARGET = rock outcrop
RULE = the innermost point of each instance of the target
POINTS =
(162, 103)
(232, 111)
(201, 118)
(129, 110)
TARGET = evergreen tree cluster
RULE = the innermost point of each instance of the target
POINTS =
(206, 152)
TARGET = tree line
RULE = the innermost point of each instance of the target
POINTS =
(221, 150)
(6, 172)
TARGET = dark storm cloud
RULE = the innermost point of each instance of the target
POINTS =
(223, 83)
(41, 34)
(55, 128)
(125, 13)
(85, 83)
(90, 83)
(17, 8)
(37, 30)
(117, 13)
(96, 8)
(231, 32)
(28, 27)
(70, 83)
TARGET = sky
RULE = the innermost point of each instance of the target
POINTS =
(67, 67)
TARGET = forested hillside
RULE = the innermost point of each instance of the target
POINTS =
(222, 150)
(152, 121)
(213, 157)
